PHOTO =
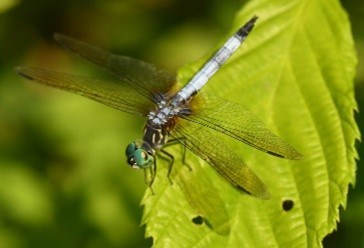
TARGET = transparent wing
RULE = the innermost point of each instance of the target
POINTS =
(144, 77)
(239, 123)
(205, 144)
(211, 207)
(117, 95)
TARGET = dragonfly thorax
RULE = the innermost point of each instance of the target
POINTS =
(166, 110)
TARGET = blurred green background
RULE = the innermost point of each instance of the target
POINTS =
(63, 176)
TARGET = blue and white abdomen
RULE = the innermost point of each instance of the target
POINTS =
(214, 64)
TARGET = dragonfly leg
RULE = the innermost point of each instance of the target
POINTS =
(149, 176)
(170, 166)
(184, 157)
(176, 141)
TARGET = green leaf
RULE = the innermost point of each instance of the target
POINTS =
(295, 72)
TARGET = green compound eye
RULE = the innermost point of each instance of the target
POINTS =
(137, 155)
(143, 159)
(130, 149)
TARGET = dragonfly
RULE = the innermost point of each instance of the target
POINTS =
(173, 116)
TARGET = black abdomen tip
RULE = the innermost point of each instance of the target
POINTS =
(244, 30)
(20, 71)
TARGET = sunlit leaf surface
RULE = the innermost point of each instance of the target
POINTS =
(295, 72)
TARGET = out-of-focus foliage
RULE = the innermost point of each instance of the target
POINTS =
(63, 179)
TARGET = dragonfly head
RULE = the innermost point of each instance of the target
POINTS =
(139, 155)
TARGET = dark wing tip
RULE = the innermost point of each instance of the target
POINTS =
(22, 71)
(276, 154)
(264, 194)
(293, 154)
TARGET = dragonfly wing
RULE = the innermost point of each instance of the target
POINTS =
(205, 144)
(116, 95)
(236, 121)
(211, 206)
(144, 77)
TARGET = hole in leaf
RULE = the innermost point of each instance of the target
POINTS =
(198, 220)
(287, 205)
